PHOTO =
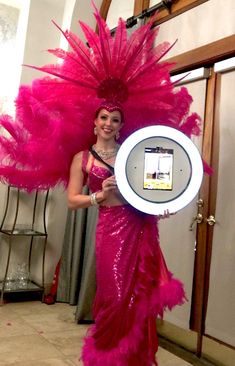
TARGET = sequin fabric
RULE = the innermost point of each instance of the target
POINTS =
(134, 286)
(96, 176)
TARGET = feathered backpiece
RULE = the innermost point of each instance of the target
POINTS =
(55, 115)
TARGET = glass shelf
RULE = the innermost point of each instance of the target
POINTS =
(22, 232)
(14, 286)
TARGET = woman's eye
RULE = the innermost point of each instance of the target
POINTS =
(116, 120)
(103, 117)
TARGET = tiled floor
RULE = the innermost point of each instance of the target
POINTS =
(35, 334)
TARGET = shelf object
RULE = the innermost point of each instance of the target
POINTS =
(11, 229)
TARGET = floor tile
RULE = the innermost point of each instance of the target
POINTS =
(37, 307)
(48, 362)
(76, 361)
(25, 349)
(166, 358)
(13, 325)
(68, 342)
(50, 322)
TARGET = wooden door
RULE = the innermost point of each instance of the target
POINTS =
(220, 310)
(178, 235)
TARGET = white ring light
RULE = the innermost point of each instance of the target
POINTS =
(158, 208)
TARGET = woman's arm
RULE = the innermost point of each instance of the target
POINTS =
(74, 192)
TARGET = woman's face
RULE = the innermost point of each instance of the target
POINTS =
(108, 124)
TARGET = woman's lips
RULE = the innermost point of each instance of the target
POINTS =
(107, 130)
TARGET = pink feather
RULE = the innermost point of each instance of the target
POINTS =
(55, 115)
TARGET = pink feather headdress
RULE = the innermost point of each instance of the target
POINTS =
(55, 115)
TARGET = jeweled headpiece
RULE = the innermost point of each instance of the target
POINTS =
(110, 107)
(55, 115)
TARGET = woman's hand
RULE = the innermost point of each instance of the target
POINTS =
(109, 185)
(166, 215)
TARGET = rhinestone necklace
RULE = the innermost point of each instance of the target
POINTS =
(106, 154)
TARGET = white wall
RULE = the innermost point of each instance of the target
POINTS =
(41, 35)
(119, 8)
(206, 23)
(84, 13)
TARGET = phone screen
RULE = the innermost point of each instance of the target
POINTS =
(158, 167)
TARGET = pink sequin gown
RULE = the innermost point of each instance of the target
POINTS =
(134, 286)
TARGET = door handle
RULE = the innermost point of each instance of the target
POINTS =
(211, 220)
(197, 219)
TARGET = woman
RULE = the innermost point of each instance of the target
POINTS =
(133, 283)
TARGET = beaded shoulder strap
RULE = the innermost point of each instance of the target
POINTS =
(96, 156)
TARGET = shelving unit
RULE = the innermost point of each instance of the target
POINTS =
(14, 200)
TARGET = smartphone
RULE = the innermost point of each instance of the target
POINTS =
(158, 168)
